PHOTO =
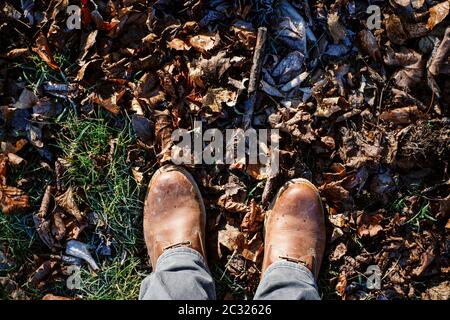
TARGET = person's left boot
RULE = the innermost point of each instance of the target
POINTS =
(174, 213)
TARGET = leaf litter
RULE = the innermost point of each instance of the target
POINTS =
(363, 113)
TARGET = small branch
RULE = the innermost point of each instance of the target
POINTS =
(255, 76)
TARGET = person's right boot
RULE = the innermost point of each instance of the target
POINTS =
(295, 227)
(174, 213)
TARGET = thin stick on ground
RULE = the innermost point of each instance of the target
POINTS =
(255, 76)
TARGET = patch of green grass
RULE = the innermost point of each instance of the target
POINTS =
(17, 237)
(324, 283)
(96, 153)
(226, 283)
(117, 280)
(397, 205)
(35, 71)
(423, 214)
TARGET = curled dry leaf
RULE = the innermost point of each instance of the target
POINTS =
(34, 134)
(336, 29)
(13, 200)
(203, 42)
(395, 30)
(253, 249)
(178, 44)
(290, 65)
(12, 289)
(15, 53)
(329, 106)
(109, 103)
(439, 292)
(230, 205)
(231, 238)
(369, 225)
(43, 226)
(214, 98)
(15, 160)
(426, 259)
(439, 61)
(369, 44)
(58, 226)
(336, 195)
(292, 28)
(211, 69)
(253, 219)
(163, 134)
(438, 13)
(67, 202)
(42, 49)
(137, 175)
(412, 63)
(339, 219)
(258, 171)
(89, 42)
(337, 233)
(405, 115)
(342, 284)
(402, 3)
(245, 33)
(143, 128)
(42, 273)
(338, 173)
(339, 252)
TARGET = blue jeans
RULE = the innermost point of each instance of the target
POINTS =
(182, 274)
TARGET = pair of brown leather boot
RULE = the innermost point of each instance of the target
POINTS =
(174, 215)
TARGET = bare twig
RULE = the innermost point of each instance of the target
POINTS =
(255, 76)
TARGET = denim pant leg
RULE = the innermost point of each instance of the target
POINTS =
(285, 280)
(180, 274)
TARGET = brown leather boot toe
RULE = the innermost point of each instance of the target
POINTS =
(174, 213)
(295, 227)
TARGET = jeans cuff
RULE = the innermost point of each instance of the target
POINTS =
(186, 252)
(298, 268)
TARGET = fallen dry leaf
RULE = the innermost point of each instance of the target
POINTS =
(336, 29)
(42, 273)
(178, 44)
(231, 238)
(214, 98)
(50, 296)
(342, 284)
(339, 252)
(438, 13)
(439, 292)
(42, 49)
(369, 225)
(13, 200)
(203, 43)
(67, 202)
(253, 218)
(404, 115)
(110, 103)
